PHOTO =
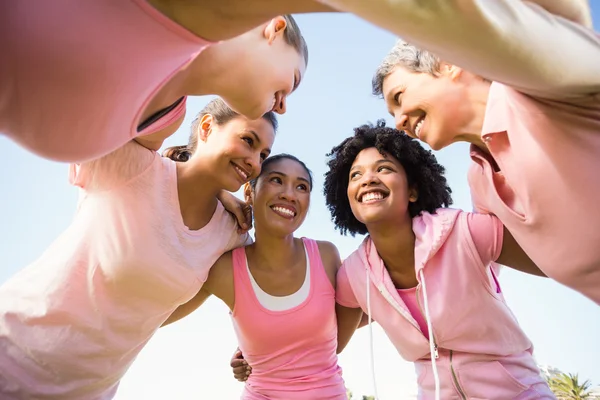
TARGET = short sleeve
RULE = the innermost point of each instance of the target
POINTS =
(487, 233)
(114, 169)
(344, 295)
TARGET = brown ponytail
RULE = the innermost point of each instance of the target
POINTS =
(177, 153)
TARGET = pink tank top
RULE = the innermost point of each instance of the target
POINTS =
(76, 76)
(409, 297)
(292, 352)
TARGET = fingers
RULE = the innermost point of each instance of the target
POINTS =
(241, 372)
(243, 215)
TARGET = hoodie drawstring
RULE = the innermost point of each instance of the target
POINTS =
(371, 343)
(432, 349)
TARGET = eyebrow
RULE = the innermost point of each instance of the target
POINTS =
(268, 149)
(300, 178)
(380, 161)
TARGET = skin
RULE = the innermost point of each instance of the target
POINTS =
(240, 143)
(267, 68)
(276, 259)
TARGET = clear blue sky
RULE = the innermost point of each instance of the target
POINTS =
(189, 359)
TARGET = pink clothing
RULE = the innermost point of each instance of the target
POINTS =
(548, 187)
(483, 353)
(72, 322)
(76, 76)
(292, 352)
(409, 297)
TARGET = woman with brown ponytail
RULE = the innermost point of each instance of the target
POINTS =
(147, 230)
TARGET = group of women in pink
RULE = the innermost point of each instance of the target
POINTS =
(154, 236)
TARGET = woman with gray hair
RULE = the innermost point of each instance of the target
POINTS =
(509, 78)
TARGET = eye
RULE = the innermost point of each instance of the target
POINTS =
(302, 187)
(383, 167)
(354, 174)
(263, 157)
(276, 179)
(397, 97)
(248, 140)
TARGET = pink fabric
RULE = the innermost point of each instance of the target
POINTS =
(75, 76)
(73, 321)
(409, 297)
(477, 335)
(292, 352)
(548, 187)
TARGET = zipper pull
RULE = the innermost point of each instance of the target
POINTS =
(435, 351)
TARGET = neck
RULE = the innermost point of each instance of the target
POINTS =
(275, 252)
(196, 190)
(395, 243)
(477, 97)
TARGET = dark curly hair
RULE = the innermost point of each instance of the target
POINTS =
(422, 171)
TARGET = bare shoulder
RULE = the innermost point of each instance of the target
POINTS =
(330, 256)
(220, 273)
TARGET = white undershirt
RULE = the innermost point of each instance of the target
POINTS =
(282, 303)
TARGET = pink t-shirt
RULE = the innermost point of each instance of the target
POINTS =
(409, 297)
(292, 352)
(76, 76)
(547, 188)
(73, 321)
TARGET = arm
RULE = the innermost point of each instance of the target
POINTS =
(348, 320)
(494, 242)
(513, 256)
(185, 309)
(216, 20)
(577, 11)
(154, 141)
(219, 282)
(510, 41)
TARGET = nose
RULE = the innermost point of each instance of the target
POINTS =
(369, 178)
(288, 193)
(254, 164)
(401, 121)
(280, 103)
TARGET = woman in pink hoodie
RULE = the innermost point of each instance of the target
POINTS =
(424, 273)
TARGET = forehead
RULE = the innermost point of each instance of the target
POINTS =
(372, 155)
(288, 167)
(399, 77)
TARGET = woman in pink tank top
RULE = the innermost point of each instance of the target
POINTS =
(281, 293)
(424, 272)
(500, 75)
(81, 79)
(146, 231)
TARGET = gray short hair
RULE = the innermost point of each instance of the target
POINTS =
(408, 56)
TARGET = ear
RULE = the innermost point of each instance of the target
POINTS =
(205, 127)
(275, 29)
(248, 193)
(413, 195)
(450, 70)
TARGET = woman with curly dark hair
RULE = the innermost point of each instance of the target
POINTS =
(424, 272)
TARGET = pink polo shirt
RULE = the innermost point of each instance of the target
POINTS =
(547, 188)
(76, 76)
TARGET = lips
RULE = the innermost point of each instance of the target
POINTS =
(372, 196)
(242, 173)
(284, 210)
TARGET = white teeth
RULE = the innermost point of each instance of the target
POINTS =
(284, 211)
(241, 172)
(372, 196)
(418, 127)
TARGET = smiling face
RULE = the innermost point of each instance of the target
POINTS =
(378, 189)
(281, 197)
(433, 109)
(235, 150)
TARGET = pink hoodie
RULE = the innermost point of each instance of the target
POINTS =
(480, 351)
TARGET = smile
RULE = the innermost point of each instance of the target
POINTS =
(284, 211)
(372, 197)
(241, 172)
